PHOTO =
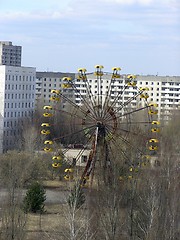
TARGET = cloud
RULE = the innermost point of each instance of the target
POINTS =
(100, 29)
(128, 2)
(143, 2)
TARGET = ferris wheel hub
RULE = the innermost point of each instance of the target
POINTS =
(99, 124)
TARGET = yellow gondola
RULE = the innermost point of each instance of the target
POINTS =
(131, 76)
(68, 170)
(56, 158)
(153, 148)
(67, 79)
(144, 89)
(153, 140)
(155, 122)
(155, 130)
(115, 72)
(48, 142)
(82, 70)
(99, 66)
(153, 105)
(66, 85)
(47, 107)
(46, 149)
(45, 132)
(132, 84)
(153, 112)
(144, 96)
(47, 114)
(53, 98)
(56, 165)
(55, 91)
(66, 177)
(116, 69)
(45, 125)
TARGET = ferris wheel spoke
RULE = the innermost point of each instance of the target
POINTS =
(74, 113)
(134, 111)
(116, 111)
(90, 115)
(125, 138)
(87, 104)
(146, 122)
(115, 75)
(116, 100)
(119, 147)
(74, 133)
(129, 144)
(107, 99)
(83, 76)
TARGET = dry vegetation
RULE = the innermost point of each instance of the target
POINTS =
(145, 207)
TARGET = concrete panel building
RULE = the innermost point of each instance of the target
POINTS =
(9, 54)
(162, 90)
(47, 81)
(17, 96)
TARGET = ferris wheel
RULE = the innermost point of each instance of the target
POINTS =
(107, 116)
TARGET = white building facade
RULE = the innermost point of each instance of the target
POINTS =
(162, 90)
(17, 97)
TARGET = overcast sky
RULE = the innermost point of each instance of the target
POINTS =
(140, 36)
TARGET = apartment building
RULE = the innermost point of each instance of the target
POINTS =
(47, 81)
(9, 54)
(162, 90)
(17, 96)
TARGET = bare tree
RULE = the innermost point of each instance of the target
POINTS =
(13, 218)
(77, 215)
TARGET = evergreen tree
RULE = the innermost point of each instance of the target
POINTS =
(35, 198)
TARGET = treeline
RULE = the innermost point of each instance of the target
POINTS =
(143, 206)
